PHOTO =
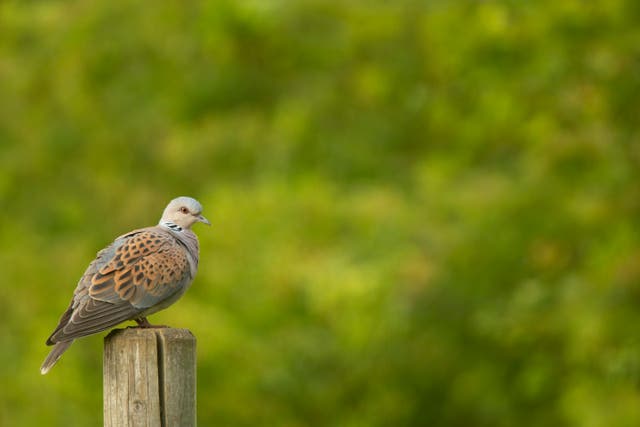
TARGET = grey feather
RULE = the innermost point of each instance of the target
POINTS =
(54, 355)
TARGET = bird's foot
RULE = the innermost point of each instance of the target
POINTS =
(144, 323)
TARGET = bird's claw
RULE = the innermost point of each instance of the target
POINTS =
(144, 324)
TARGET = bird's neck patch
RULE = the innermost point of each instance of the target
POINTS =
(171, 225)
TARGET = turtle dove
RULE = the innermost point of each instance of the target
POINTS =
(140, 273)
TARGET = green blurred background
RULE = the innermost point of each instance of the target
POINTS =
(425, 212)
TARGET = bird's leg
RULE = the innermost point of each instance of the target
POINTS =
(144, 323)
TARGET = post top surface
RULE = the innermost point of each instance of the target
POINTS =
(167, 333)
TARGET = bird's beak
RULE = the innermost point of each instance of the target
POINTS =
(203, 220)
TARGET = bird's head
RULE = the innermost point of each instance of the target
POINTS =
(183, 212)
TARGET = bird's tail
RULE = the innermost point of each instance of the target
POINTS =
(54, 355)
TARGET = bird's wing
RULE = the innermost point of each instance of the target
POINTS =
(138, 271)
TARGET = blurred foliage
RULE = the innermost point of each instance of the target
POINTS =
(425, 212)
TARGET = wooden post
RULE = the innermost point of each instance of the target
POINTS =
(149, 378)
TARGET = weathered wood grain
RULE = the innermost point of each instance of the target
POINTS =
(150, 378)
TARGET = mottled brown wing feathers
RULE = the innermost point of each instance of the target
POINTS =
(145, 269)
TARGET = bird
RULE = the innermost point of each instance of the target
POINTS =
(140, 273)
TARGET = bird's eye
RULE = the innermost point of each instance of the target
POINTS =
(184, 210)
